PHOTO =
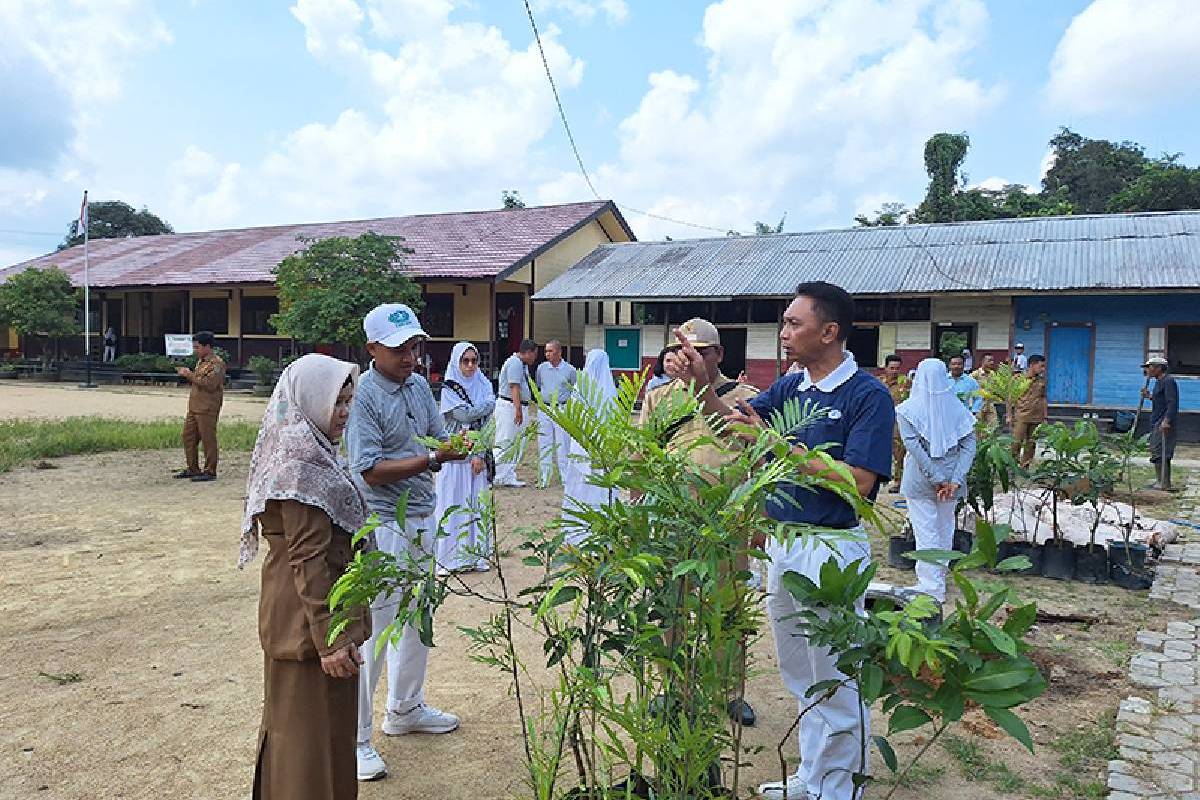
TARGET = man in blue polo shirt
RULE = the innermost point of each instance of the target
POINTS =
(858, 422)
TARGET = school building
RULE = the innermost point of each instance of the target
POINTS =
(477, 271)
(1096, 294)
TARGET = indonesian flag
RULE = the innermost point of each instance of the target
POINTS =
(83, 217)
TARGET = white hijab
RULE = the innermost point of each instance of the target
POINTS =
(293, 458)
(934, 410)
(597, 387)
(478, 387)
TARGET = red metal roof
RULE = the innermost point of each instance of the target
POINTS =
(460, 245)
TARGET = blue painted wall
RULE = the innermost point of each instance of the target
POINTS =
(1120, 323)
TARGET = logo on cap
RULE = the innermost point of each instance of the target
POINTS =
(399, 317)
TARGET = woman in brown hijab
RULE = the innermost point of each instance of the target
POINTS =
(301, 499)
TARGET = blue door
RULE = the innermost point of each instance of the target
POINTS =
(1069, 365)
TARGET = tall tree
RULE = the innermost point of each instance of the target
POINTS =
(1164, 185)
(326, 289)
(1092, 171)
(113, 219)
(944, 156)
(40, 302)
(511, 198)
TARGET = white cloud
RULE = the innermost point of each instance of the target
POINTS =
(806, 106)
(456, 112)
(1122, 55)
(615, 11)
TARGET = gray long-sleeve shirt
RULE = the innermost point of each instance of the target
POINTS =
(461, 417)
(385, 420)
(923, 472)
(1164, 402)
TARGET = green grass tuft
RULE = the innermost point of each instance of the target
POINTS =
(23, 441)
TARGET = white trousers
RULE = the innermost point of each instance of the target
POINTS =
(832, 734)
(110, 353)
(508, 431)
(553, 446)
(406, 660)
(933, 528)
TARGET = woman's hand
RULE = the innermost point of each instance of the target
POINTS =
(477, 466)
(342, 663)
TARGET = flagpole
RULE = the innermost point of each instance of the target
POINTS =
(87, 305)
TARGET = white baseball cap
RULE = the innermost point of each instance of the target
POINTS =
(392, 324)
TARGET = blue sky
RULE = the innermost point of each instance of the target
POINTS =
(217, 113)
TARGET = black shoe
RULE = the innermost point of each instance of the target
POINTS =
(185, 473)
(741, 707)
(202, 477)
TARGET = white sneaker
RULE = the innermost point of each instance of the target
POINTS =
(773, 790)
(421, 719)
(482, 566)
(370, 763)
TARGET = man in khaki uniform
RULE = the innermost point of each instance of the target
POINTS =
(1029, 411)
(204, 406)
(898, 386)
(703, 335)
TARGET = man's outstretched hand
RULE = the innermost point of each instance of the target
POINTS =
(745, 415)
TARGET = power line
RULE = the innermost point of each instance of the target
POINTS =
(562, 115)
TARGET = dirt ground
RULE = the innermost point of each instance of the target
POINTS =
(32, 399)
(133, 669)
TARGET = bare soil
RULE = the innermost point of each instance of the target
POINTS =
(26, 399)
(120, 582)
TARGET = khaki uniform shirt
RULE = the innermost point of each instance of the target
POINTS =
(987, 414)
(308, 554)
(898, 387)
(208, 386)
(1031, 407)
(729, 390)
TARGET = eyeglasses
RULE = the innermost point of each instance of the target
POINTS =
(465, 360)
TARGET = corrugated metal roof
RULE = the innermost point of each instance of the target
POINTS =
(468, 244)
(1110, 251)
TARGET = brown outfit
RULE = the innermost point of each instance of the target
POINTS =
(310, 720)
(898, 387)
(204, 406)
(1029, 411)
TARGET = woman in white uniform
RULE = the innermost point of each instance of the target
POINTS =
(598, 390)
(939, 433)
(467, 402)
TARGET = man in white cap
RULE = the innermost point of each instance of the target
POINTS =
(1164, 419)
(392, 408)
(1020, 361)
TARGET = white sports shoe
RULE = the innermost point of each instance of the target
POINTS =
(421, 719)
(370, 763)
(773, 790)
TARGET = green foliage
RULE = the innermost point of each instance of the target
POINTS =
(326, 289)
(925, 672)
(1091, 171)
(1164, 185)
(889, 214)
(643, 621)
(150, 362)
(994, 467)
(23, 441)
(944, 156)
(511, 199)
(40, 302)
(114, 219)
(263, 369)
(764, 229)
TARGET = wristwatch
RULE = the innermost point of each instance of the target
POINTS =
(434, 464)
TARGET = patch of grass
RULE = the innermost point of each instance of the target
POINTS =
(1088, 747)
(919, 775)
(975, 765)
(1067, 788)
(1117, 653)
(64, 679)
(23, 441)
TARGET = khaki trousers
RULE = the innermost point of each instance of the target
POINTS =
(1023, 442)
(197, 429)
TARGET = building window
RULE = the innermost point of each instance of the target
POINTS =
(734, 312)
(906, 309)
(649, 313)
(764, 311)
(682, 312)
(437, 318)
(210, 314)
(256, 315)
(1183, 349)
